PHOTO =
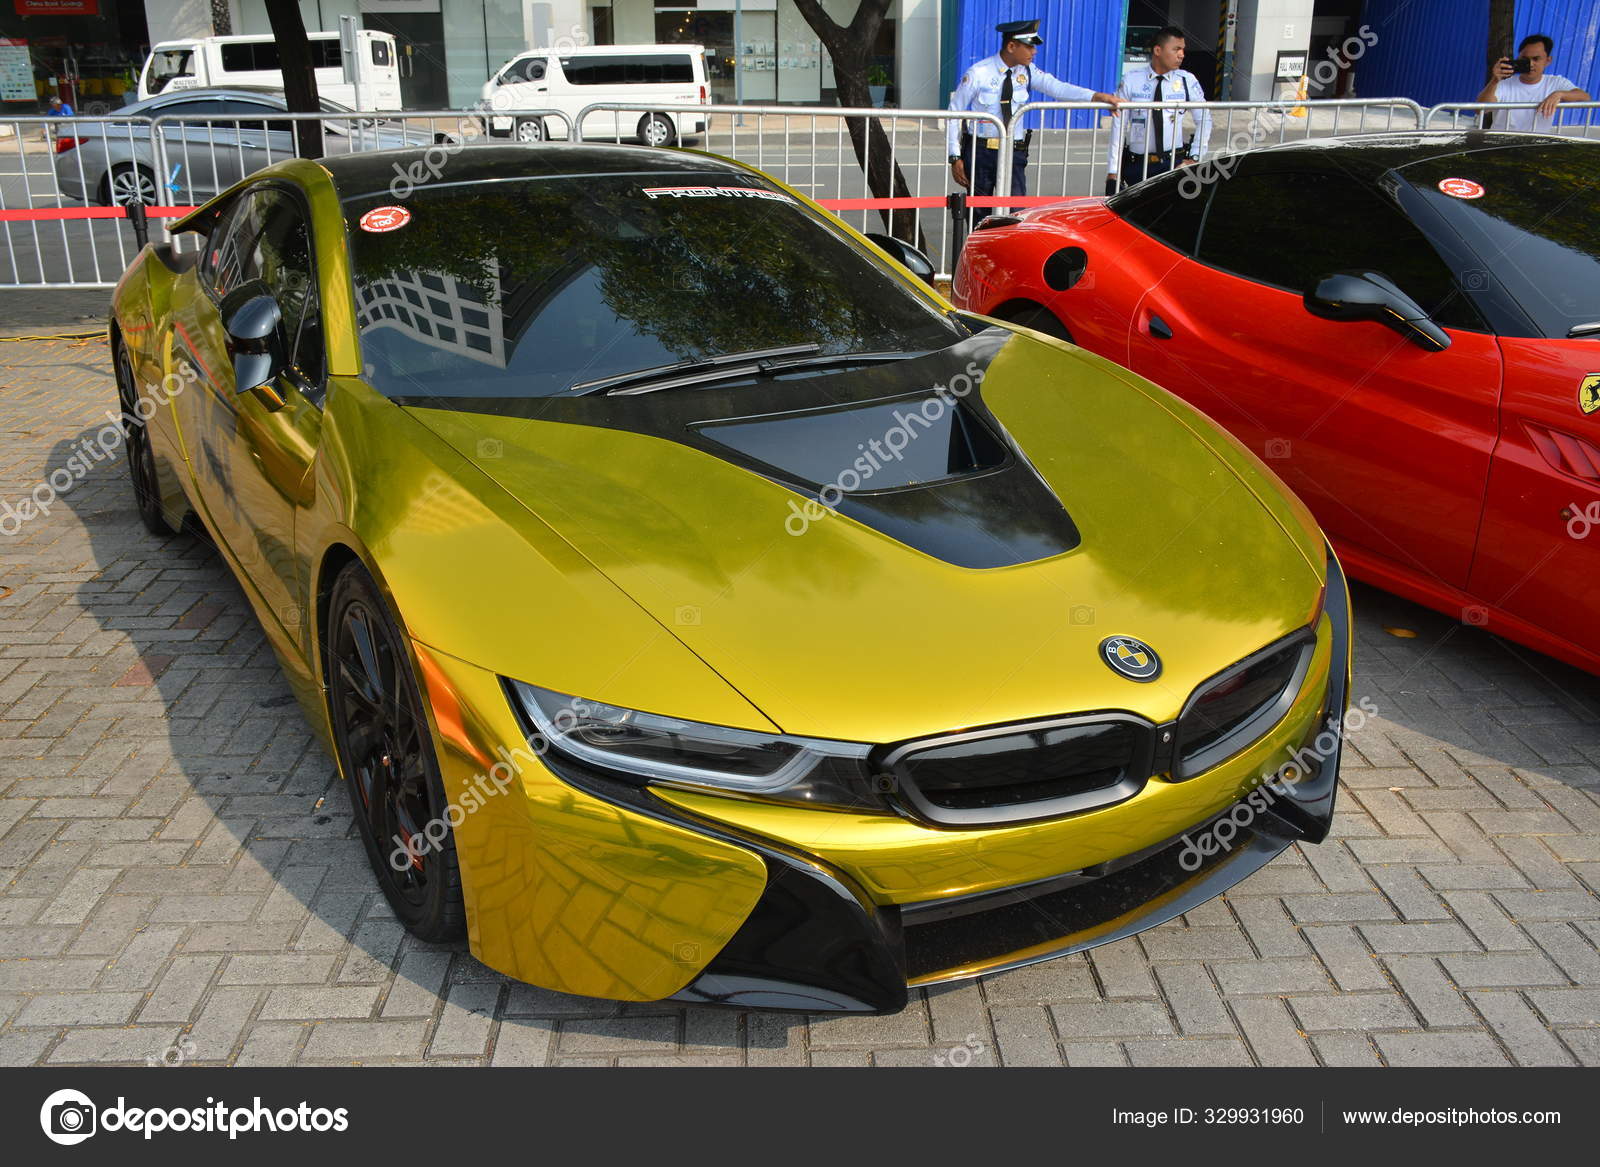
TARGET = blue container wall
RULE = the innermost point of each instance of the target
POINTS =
(1082, 42)
(1433, 51)
(1427, 50)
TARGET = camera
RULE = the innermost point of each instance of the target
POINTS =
(72, 1118)
(1521, 65)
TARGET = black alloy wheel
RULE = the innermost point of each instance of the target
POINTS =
(386, 755)
(136, 444)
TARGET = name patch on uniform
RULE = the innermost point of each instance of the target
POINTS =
(714, 192)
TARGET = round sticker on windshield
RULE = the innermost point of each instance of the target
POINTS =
(1461, 188)
(381, 219)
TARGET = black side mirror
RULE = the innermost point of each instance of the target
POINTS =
(254, 324)
(907, 256)
(1370, 295)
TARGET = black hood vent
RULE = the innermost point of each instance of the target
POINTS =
(896, 446)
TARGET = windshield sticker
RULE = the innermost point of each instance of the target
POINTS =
(381, 219)
(1461, 188)
(714, 192)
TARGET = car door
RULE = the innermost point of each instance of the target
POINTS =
(1538, 554)
(252, 451)
(1388, 443)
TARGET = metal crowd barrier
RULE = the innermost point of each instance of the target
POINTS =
(810, 149)
(1066, 162)
(1576, 119)
(52, 239)
(57, 174)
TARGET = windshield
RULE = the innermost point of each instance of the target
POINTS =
(1535, 224)
(539, 287)
(166, 65)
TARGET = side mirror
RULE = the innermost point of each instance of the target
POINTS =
(907, 256)
(1370, 295)
(254, 324)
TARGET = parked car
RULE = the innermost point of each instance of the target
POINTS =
(1407, 328)
(570, 79)
(223, 135)
(697, 606)
(252, 61)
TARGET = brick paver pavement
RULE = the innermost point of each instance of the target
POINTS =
(180, 881)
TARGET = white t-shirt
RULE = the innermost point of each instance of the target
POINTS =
(1515, 89)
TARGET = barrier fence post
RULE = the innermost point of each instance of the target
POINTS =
(141, 226)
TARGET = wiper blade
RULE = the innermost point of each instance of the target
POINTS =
(618, 383)
(834, 359)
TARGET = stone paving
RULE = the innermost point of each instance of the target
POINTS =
(180, 879)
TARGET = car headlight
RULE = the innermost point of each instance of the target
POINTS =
(657, 749)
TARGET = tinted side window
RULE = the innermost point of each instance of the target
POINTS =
(222, 261)
(281, 255)
(253, 56)
(1160, 208)
(632, 69)
(380, 54)
(1289, 229)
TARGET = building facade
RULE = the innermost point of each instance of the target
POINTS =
(763, 50)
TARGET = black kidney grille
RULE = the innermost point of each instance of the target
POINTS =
(1034, 764)
(1230, 702)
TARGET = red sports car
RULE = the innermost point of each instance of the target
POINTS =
(1405, 327)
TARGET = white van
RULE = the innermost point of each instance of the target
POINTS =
(569, 79)
(252, 61)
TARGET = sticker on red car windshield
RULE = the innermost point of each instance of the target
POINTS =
(381, 219)
(714, 192)
(1461, 188)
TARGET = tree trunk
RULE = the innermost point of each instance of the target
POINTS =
(221, 18)
(850, 48)
(1502, 19)
(299, 74)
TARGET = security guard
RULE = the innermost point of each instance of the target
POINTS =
(997, 85)
(1154, 142)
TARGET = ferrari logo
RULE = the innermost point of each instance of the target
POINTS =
(1589, 393)
(1134, 659)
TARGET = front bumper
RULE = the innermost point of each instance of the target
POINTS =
(585, 884)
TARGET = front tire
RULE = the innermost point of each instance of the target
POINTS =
(136, 444)
(385, 752)
(529, 130)
(656, 130)
(1040, 319)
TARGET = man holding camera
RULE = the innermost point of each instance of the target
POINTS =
(1525, 80)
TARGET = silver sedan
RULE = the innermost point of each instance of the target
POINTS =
(216, 137)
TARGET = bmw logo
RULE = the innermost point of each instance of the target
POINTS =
(1134, 659)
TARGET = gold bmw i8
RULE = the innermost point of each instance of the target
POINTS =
(697, 606)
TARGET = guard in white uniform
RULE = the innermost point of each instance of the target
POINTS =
(1147, 142)
(997, 85)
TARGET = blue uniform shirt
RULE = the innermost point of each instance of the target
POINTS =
(979, 91)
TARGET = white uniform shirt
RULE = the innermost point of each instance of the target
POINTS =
(980, 91)
(1527, 120)
(1150, 131)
